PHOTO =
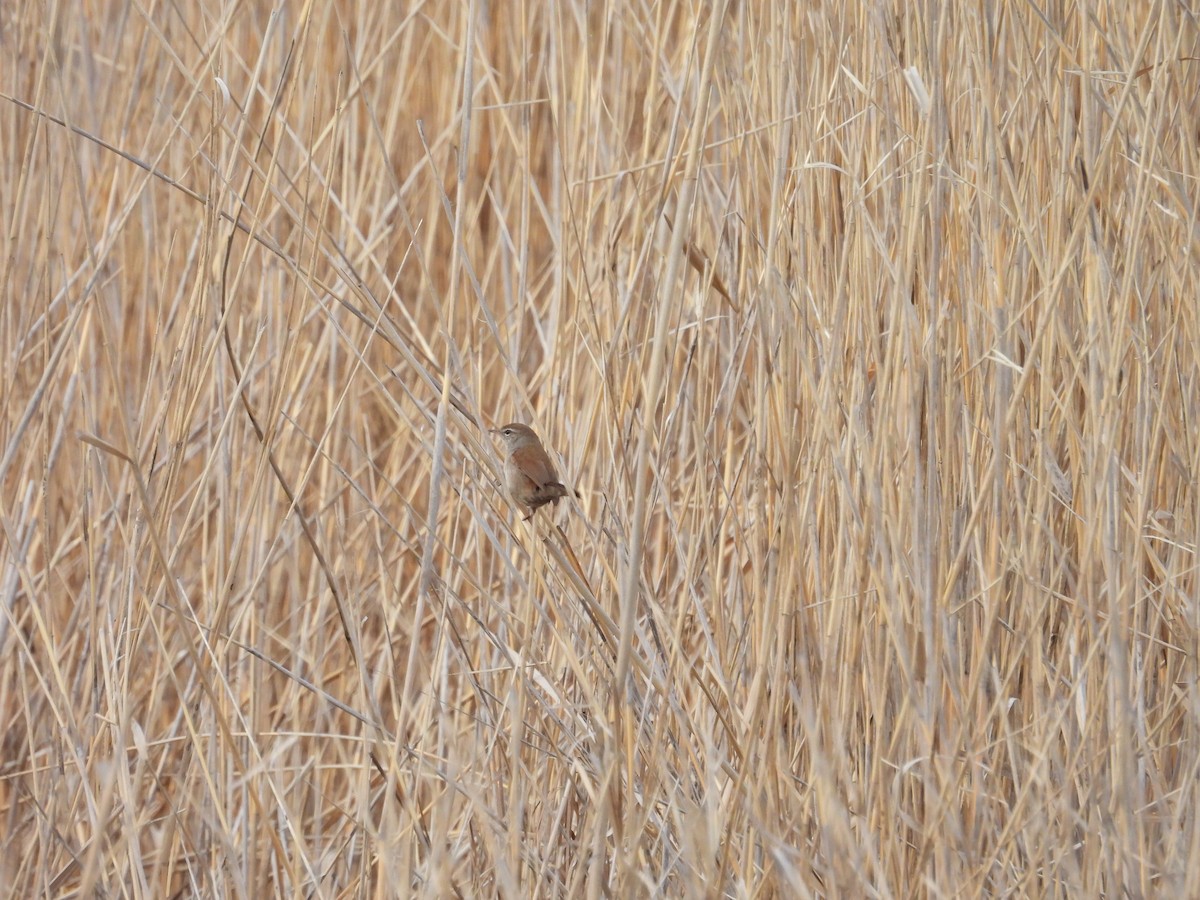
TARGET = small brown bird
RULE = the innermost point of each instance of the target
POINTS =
(528, 472)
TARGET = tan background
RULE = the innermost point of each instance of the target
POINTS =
(867, 332)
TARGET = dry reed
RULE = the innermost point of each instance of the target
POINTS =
(869, 334)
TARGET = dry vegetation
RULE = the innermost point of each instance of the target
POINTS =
(868, 333)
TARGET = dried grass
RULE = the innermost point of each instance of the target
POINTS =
(868, 333)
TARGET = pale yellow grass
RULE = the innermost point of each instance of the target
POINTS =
(869, 333)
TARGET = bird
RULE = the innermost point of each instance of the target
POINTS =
(528, 472)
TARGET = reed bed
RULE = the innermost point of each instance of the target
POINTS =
(869, 335)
